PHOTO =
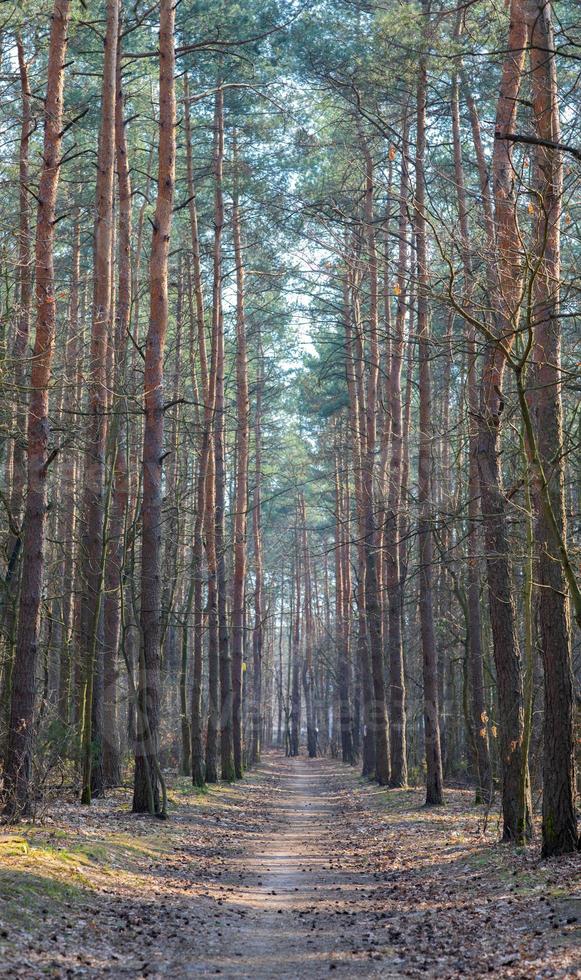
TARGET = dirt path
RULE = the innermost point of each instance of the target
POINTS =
(301, 870)
(300, 905)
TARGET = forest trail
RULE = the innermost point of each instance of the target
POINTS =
(301, 896)
(301, 870)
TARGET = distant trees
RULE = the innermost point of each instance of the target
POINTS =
(507, 299)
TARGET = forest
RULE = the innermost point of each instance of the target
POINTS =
(290, 488)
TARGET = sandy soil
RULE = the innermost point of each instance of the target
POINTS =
(301, 870)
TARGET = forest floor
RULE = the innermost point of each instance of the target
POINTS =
(301, 869)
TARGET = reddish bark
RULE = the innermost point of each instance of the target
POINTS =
(17, 762)
(516, 803)
(559, 818)
(148, 784)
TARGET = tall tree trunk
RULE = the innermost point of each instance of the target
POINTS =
(308, 675)
(226, 725)
(357, 428)
(17, 762)
(118, 450)
(295, 712)
(516, 803)
(213, 729)
(241, 498)
(341, 621)
(434, 787)
(559, 818)
(148, 784)
(173, 519)
(393, 524)
(69, 473)
(258, 630)
(370, 538)
(208, 387)
(17, 464)
(93, 511)
(476, 670)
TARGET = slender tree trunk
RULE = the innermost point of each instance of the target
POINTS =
(559, 818)
(17, 463)
(115, 544)
(186, 731)
(148, 785)
(173, 518)
(308, 675)
(372, 589)
(213, 729)
(17, 762)
(258, 630)
(341, 628)
(93, 510)
(295, 714)
(393, 523)
(476, 670)
(516, 804)
(69, 474)
(226, 723)
(241, 499)
(204, 478)
(357, 427)
(434, 787)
